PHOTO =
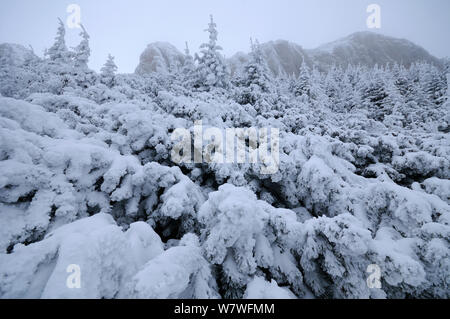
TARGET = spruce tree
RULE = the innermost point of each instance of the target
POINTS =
(108, 71)
(188, 69)
(256, 71)
(255, 83)
(212, 70)
(346, 99)
(374, 93)
(83, 51)
(302, 85)
(58, 52)
(317, 94)
(433, 83)
(332, 81)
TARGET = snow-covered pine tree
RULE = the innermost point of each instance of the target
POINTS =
(418, 92)
(309, 87)
(108, 71)
(256, 72)
(394, 103)
(403, 82)
(303, 84)
(57, 71)
(433, 83)
(317, 93)
(332, 82)
(212, 70)
(82, 51)
(58, 52)
(374, 93)
(256, 79)
(188, 70)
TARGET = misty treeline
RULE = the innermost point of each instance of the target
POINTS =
(87, 179)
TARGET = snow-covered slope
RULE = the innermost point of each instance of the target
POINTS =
(159, 57)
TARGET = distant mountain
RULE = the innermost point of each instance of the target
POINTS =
(368, 48)
(15, 54)
(365, 48)
(159, 57)
(281, 56)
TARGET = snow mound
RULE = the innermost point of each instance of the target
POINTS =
(259, 288)
(104, 255)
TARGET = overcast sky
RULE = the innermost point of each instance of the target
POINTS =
(124, 27)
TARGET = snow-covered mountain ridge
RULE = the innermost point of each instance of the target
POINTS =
(365, 48)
